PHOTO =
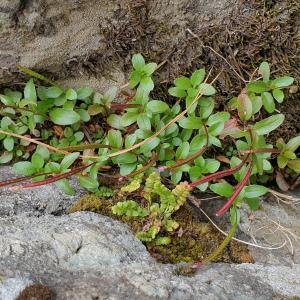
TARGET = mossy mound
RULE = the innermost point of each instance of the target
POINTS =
(192, 242)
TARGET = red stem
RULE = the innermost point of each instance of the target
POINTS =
(220, 174)
(191, 158)
(261, 150)
(20, 179)
(51, 179)
(238, 190)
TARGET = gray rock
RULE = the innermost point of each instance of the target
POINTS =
(36, 201)
(82, 255)
(88, 256)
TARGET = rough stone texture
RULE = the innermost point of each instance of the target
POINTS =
(88, 256)
(34, 202)
(70, 37)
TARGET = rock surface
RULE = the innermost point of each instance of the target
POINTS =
(90, 36)
(88, 256)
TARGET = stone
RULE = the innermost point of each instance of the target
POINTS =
(87, 256)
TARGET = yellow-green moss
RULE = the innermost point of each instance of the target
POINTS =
(192, 242)
(87, 203)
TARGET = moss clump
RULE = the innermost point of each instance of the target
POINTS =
(87, 203)
(192, 242)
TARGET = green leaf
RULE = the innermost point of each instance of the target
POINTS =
(53, 92)
(197, 143)
(278, 95)
(207, 89)
(175, 178)
(200, 161)
(26, 102)
(183, 150)
(115, 121)
(244, 106)
(256, 104)
(157, 106)
(143, 122)
(6, 157)
(115, 138)
(223, 189)
(257, 87)
(197, 77)
(253, 203)
(84, 116)
(150, 145)
(130, 140)
(191, 123)
(15, 96)
(24, 168)
(177, 92)
(282, 81)
(294, 165)
(268, 102)
(88, 182)
(183, 83)
(138, 62)
(135, 78)
(9, 143)
(6, 100)
(84, 92)
(126, 169)
(218, 117)
(282, 161)
(37, 161)
(264, 70)
(65, 186)
(147, 84)
(149, 69)
(211, 166)
(125, 158)
(289, 154)
(232, 103)
(71, 94)
(29, 91)
(195, 173)
(254, 191)
(128, 119)
(293, 143)
(61, 116)
(269, 124)
(216, 129)
(68, 160)
(96, 109)
(206, 107)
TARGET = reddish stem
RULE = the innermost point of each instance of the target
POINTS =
(143, 169)
(181, 162)
(261, 150)
(51, 179)
(20, 179)
(238, 190)
(219, 175)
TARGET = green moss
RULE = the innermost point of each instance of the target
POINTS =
(192, 242)
(87, 203)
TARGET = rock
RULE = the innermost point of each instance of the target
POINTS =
(88, 256)
(37, 201)
(70, 38)
(84, 255)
